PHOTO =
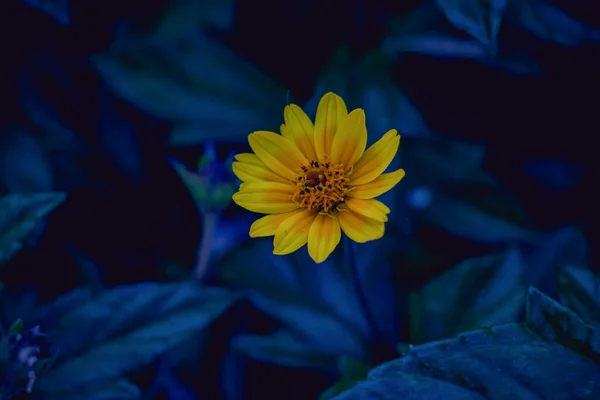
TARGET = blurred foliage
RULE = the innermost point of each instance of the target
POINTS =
(109, 108)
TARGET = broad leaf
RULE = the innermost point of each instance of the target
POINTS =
(351, 371)
(469, 222)
(126, 328)
(553, 356)
(20, 215)
(478, 292)
(316, 305)
(195, 83)
(481, 19)
(579, 289)
(24, 166)
(184, 17)
(120, 389)
(57, 9)
(550, 23)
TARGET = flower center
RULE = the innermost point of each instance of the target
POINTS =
(320, 186)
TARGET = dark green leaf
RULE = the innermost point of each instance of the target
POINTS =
(126, 328)
(16, 327)
(550, 23)
(196, 84)
(19, 217)
(480, 18)
(579, 289)
(530, 361)
(478, 292)
(468, 222)
(120, 389)
(48, 314)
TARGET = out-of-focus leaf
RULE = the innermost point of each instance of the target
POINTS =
(120, 389)
(435, 161)
(120, 141)
(283, 348)
(368, 84)
(317, 304)
(555, 175)
(468, 222)
(478, 292)
(422, 31)
(550, 23)
(553, 356)
(351, 370)
(579, 289)
(47, 314)
(25, 167)
(19, 217)
(199, 85)
(560, 248)
(184, 17)
(481, 19)
(446, 46)
(126, 328)
(57, 9)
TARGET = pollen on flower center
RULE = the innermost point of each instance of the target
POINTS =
(320, 186)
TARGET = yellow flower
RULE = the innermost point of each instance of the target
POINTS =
(314, 181)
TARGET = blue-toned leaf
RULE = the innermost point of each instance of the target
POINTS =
(555, 175)
(126, 328)
(466, 221)
(478, 292)
(283, 348)
(57, 9)
(481, 19)
(553, 356)
(24, 167)
(560, 248)
(120, 389)
(47, 314)
(440, 161)
(368, 84)
(579, 289)
(351, 370)
(184, 17)
(20, 215)
(121, 141)
(199, 85)
(316, 303)
(550, 23)
(446, 46)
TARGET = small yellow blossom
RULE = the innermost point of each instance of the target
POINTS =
(316, 180)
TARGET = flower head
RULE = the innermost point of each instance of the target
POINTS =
(316, 180)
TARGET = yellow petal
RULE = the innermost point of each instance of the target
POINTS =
(265, 197)
(299, 128)
(376, 159)
(267, 225)
(377, 187)
(370, 208)
(255, 173)
(360, 228)
(350, 140)
(323, 237)
(249, 158)
(279, 154)
(292, 233)
(330, 112)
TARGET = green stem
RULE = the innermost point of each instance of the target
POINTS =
(350, 255)
(210, 220)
